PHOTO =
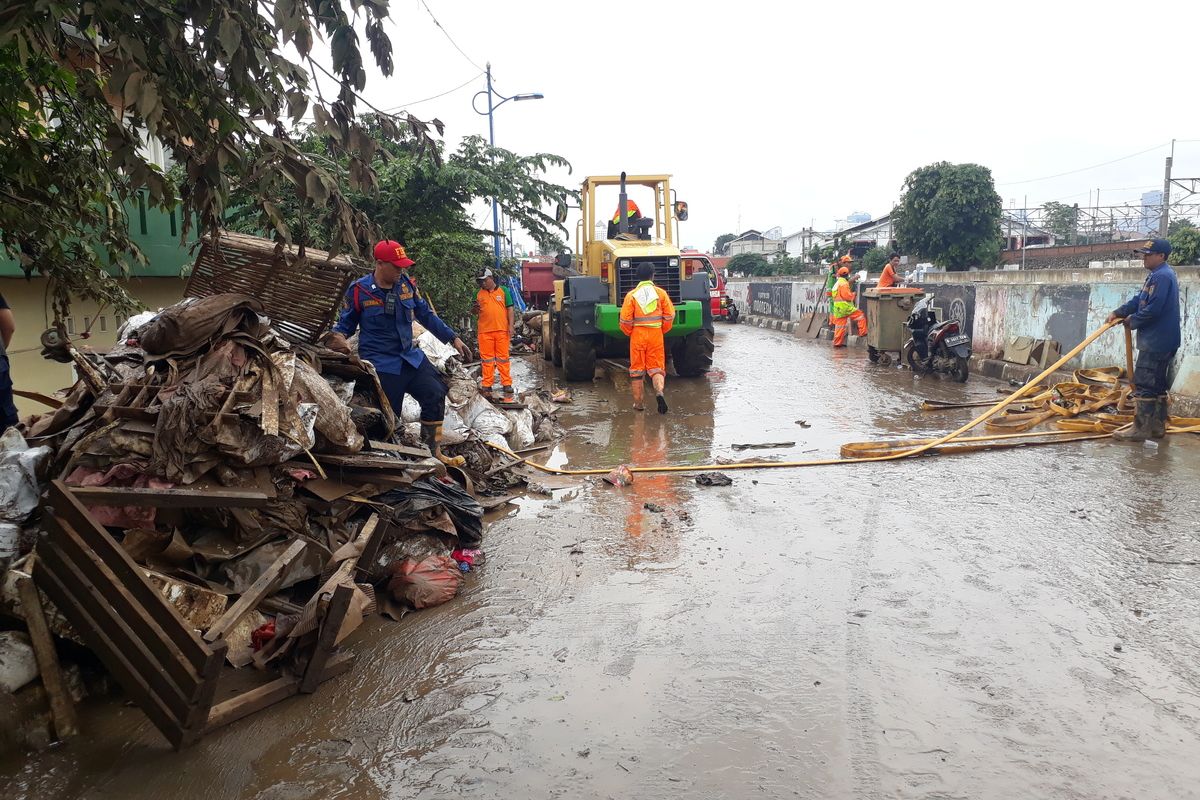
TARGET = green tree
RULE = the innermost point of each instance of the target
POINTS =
(814, 255)
(872, 260)
(721, 245)
(1060, 219)
(215, 82)
(1177, 225)
(1185, 245)
(950, 215)
(423, 202)
(748, 264)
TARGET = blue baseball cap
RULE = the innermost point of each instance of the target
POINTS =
(1155, 246)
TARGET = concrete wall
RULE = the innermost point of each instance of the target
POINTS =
(1064, 305)
(33, 373)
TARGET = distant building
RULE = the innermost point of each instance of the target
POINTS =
(1019, 233)
(1151, 211)
(800, 243)
(867, 234)
(753, 241)
(858, 218)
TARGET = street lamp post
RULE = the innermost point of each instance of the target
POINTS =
(491, 108)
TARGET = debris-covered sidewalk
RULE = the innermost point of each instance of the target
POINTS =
(224, 494)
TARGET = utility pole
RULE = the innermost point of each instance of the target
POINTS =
(1165, 220)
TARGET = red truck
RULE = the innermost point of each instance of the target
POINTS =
(722, 304)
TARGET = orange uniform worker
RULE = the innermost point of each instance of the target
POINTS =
(888, 279)
(844, 309)
(497, 325)
(631, 211)
(646, 316)
(831, 281)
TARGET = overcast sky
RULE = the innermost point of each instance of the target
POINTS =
(790, 114)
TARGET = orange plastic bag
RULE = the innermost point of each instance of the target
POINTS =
(428, 582)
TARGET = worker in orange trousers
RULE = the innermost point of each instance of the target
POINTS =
(497, 325)
(646, 316)
(844, 309)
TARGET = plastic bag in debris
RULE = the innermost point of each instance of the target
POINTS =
(333, 420)
(522, 435)
(486, 421)
(427, 493)
(18, 666)
(428, 582)
(436, 351)
(130, 327)
(20, 466)
(343, 389)
(410, 410)
(454, 430)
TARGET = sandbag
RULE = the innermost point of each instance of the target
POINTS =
(333, 421)
(522, 435)
(435, 350)
(428, 582)
(20, 466)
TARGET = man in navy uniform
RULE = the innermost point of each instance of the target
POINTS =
(382, 306)
(1154, 314)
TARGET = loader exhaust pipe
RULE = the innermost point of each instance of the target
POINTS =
(623, 209)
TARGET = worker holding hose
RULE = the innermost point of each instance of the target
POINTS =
(1154, 314)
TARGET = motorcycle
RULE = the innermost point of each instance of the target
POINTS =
(936, 346)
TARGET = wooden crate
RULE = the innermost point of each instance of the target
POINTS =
(300, 295)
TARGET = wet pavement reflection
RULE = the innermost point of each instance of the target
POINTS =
(942, 628)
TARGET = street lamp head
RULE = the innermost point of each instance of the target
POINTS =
(533, 96)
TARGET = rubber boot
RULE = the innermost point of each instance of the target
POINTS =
(509, 392)
(431, 435)
(1162, 416)
(1140, 432)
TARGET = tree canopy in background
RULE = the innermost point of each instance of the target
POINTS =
(950, 214)
(1185, 244)
(422, 202)
(84, 82)
(721, 245)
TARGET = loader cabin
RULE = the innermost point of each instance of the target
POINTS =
(611, 250)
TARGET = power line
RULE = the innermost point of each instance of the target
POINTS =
(462, 85)
(449, 38)
(1085, 169)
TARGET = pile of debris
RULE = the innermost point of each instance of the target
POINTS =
(529, 332)
(248, 477)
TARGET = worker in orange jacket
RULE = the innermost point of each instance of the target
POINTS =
(646, 316)
(844, 309)
(497, 326)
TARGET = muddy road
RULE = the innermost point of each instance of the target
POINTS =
(996, 625)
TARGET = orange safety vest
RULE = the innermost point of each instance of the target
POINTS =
(631, 210)
(642, 309)
(493, 309)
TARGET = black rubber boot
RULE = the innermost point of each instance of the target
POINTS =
(1162, 415)
(1142, 419)
(662, 404)
(431, 435)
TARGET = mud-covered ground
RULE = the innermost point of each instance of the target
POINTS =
(996, 625)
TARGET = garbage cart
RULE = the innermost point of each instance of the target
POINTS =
(887, 310)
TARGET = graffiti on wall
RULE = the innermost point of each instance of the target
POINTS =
(957, 303)
(771, 300)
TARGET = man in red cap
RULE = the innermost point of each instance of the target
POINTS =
(383, 306)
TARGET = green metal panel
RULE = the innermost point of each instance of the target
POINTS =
(689, 316)
(155, 232)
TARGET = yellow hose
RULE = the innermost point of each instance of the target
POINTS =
(924, 447)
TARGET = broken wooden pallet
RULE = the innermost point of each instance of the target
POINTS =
(160, 661)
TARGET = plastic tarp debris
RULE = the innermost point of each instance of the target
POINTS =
(430, 493)
(713, 479)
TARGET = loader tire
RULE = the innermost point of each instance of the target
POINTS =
(693, 354)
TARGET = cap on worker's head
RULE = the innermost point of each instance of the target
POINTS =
(1155, 246)
(486, 273)
(843, 270)
(846, 259)
(393, 253)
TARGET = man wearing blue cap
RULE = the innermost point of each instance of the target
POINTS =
(1154, 314)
